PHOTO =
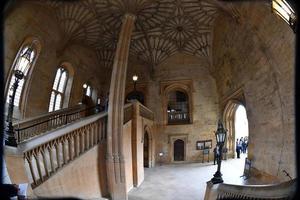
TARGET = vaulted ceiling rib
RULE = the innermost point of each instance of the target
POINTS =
(162, 28)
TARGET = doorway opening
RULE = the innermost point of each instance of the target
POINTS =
(241, 130)
(179, 150)
(146, 150)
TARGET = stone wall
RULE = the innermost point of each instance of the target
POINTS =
(204, 97)
(257, 56)
(28, 19)
(84, 178)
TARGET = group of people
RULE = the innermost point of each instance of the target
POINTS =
(241, 146)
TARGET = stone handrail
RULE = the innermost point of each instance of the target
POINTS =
(32, 120)
(48, 153)
(284, 190)
(29, 128)
(146, 112)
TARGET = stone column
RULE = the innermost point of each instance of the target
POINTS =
(115, 162)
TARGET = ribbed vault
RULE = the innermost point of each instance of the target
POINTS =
(162, 27)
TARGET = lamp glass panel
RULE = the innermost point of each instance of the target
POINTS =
(18, 91)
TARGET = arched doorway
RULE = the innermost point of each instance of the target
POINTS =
(146, 149)
(241, 129)
(229, 117)
(179, 150)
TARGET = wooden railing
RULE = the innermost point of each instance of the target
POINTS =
(45, 155)
(258, 192)
(35, 126)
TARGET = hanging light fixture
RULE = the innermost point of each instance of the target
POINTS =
(285, 11)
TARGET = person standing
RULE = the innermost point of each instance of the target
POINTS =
(106, 102)
(244, 145)
(237, 148)
(216, 154)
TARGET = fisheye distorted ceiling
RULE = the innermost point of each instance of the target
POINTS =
(162, 27)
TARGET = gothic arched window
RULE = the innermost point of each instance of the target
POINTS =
(24, 62)
(178, 108)
(58, 89)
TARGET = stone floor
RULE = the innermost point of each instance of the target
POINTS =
(186, 181)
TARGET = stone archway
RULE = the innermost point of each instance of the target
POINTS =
(229, 122)
(178, 150)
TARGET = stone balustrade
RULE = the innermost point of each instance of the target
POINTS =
(221, 191)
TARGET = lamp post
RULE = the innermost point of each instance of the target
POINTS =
(20, 70)
(220, 137)
(83, 94)
(134, 78)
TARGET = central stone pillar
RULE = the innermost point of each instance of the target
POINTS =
(115, 162)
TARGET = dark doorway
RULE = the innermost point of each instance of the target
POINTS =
(179, 150)
(146, 150)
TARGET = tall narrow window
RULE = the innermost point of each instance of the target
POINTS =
(58, 89)
(23, 63)
(88, 91)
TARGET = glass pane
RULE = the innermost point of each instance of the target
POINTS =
(18, 91)
(22, 65)
(89, 91)
(51, 102)
(56, 80)
(57, 102)
(61, 85)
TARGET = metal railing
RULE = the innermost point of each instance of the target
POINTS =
(178, 117)
(38, 125)
(280, 191)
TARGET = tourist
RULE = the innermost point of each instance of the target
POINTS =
(237, 148)
(216, 154)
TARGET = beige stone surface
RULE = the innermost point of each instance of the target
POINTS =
(29, 19)
(257, 55)
(81, 178)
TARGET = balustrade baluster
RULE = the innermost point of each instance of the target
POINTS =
(51, 159)
(63, 146)
(76, 148)
(57, 155)
(70, 146)
(45, 163)
(92, 134)
(31, 169)
(38, 167)
(81, 141)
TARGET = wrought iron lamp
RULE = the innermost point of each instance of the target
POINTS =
(285, 11)
(221, 134)
(21, 68)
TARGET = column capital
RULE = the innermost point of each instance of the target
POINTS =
(129, 15)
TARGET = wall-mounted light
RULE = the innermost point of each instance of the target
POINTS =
(284, 10)
(135, 78)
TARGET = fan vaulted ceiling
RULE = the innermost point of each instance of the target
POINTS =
(162, 27)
